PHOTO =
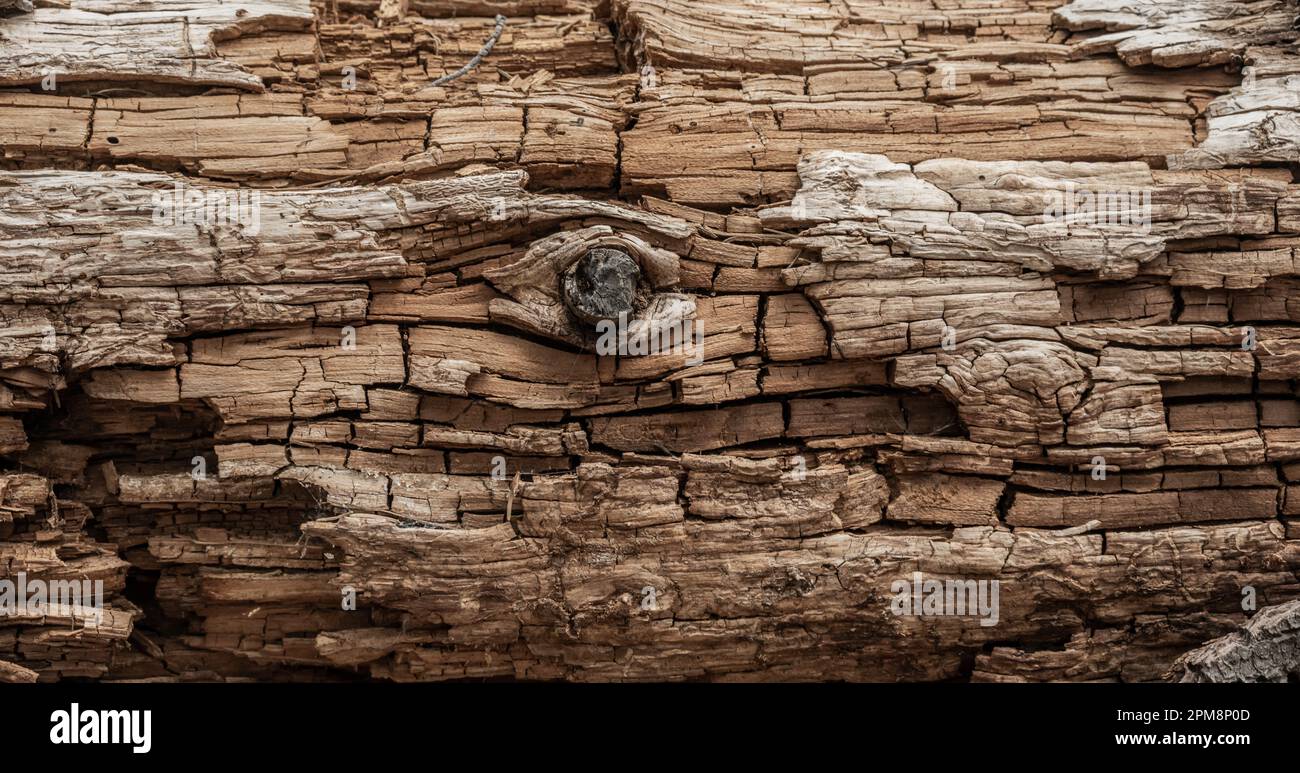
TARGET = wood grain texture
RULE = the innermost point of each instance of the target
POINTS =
(998, 292)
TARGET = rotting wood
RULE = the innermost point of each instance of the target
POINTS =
(360, 428)
(1267, 649)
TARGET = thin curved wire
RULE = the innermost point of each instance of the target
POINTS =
(479, 57)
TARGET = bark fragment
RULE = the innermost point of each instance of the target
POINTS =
(1267, 649)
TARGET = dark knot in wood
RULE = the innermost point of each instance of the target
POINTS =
(15, 7)
(601, 285)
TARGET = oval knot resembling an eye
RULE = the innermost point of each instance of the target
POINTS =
(602, 285)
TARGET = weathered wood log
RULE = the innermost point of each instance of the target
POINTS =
(668, 341)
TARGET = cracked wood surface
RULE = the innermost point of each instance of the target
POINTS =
(1267, 649)
(374, 389)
